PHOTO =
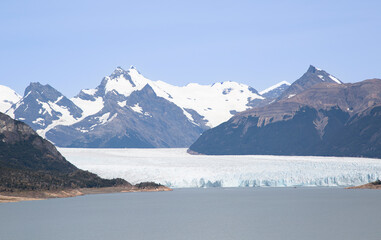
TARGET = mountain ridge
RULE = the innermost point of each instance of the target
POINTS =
(310, 78)
(312, 122)
(86, 120)
(90, 119)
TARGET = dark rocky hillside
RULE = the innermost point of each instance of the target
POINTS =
(28, 162)
(312, 77)
(326, 120)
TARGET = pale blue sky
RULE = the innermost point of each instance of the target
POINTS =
(72, 44)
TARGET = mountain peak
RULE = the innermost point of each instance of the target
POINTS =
(119, 69)
(312, 77)
(313, 69)
(323, 75)
(35, 84)
(118, 72)
(132, 67)
(39, 88)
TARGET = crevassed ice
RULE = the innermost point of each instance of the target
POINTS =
(177, 169)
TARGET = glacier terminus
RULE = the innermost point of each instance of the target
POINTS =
(175, 168)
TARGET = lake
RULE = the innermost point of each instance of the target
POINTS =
(211, 213)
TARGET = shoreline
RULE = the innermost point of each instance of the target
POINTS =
(19, 196)
(372, 185)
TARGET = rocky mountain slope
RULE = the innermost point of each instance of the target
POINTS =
(312, 77)
(28, 162)
(329, 118)
(129, 110)
(143, 120)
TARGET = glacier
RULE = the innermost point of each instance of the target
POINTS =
(175, 168)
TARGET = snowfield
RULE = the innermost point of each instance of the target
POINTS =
(177, 169)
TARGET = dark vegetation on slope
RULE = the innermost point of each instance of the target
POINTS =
(28, 162)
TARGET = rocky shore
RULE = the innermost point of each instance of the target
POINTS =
(17, 196)
(372, 185)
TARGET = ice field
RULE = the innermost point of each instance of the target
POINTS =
(177, 169)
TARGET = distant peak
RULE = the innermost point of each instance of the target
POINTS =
(313, 69)
(41, 89)
(35, 84)
(117, 72)
(119, 69)
(132, 67)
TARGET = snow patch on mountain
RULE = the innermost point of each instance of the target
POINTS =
(137, 108)
(122, 104)
(335, 79)
(103, 119)
(65, 119)
(274, 87)
(39, 121)
(8, 97)
(89, 107)
(89, 91)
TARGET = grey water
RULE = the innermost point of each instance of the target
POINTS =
(212, 213)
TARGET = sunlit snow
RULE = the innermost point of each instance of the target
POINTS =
(175, 168)
(122, 104)
(215, 102)
(137, 108)
(335, 79)
(274, 87)
(8, 97)
(88, 107)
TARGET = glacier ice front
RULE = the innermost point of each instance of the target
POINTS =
(177, 169)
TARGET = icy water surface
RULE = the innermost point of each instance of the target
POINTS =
(213, 213)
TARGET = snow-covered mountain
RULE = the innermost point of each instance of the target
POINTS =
(8, 97)
(42, 107)
(214, 103)
(130, 110)
(141, 119)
